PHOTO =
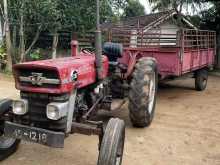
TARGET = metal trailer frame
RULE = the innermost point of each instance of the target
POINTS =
(176, 54)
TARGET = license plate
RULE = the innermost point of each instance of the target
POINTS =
(33, 134)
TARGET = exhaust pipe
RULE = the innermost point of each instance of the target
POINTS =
(98, 42)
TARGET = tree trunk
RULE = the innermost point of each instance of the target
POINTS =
(7, 37)
(218, 52)
(22, 44)
(1, 20)
(1, 28)
(54, 46)
(14, 43)
(34, 40)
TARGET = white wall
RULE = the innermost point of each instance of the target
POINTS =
(168, 28)
(157, 35)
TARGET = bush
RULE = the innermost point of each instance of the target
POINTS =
(36, 55)
(2, 57)
(2, 52)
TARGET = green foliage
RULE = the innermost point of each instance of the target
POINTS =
(134, 8)
(36, 55)
(118, 6)
(2, 52)
(54, 16)
(210, 18)
(178, 5)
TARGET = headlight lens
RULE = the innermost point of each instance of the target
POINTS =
(56, 111)
(20, 107)
(52, 112)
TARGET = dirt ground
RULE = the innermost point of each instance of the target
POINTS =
(185, 131)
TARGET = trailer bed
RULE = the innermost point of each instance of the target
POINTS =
(176, 54)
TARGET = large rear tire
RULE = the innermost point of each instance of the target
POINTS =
(7, 145)
(143, 92)
(201, 79)
(112, 145)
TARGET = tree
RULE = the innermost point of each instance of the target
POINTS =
(8, 37)
(118, 6)
(25, 18)
(134, 8)
(83, 18)
(210, 19)
(178, 5)
(28, 18)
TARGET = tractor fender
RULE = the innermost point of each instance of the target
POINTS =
(134, 59)
(5, 105)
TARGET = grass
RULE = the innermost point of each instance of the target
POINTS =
(6, 74)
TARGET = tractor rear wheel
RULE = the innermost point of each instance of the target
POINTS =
(143, 92)
(7, 145)
(201, 79)
(112, 145)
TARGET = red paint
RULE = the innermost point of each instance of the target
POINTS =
(169, 59)
(74, 48)
(84, 64)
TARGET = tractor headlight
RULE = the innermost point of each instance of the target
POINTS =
(56, 111)
(20, 107)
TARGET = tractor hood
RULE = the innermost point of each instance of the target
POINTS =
(58, 76)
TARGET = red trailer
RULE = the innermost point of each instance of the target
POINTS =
(187, 51)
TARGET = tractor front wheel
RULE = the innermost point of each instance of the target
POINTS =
(143, 92)
(7, 145)
(112, 145)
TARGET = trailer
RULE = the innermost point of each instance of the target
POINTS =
(176, 54)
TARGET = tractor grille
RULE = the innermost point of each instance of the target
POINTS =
(38, 77)
(37, 112)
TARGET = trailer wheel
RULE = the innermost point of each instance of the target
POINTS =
(201, 79)
(143, 92)
(112, 145)
(7, 145)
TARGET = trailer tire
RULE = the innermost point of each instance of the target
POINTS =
(112, 145)
(201, 79)
(143, 92)
(7, 145)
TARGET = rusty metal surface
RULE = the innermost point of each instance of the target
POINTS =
(86, 129)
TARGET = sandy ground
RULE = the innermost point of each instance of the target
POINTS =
(186, 131)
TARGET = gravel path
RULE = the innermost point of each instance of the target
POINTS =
(186, 131)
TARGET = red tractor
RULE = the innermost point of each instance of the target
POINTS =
(61, 97)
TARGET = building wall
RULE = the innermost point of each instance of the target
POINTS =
(168, 28)
(164, 34)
